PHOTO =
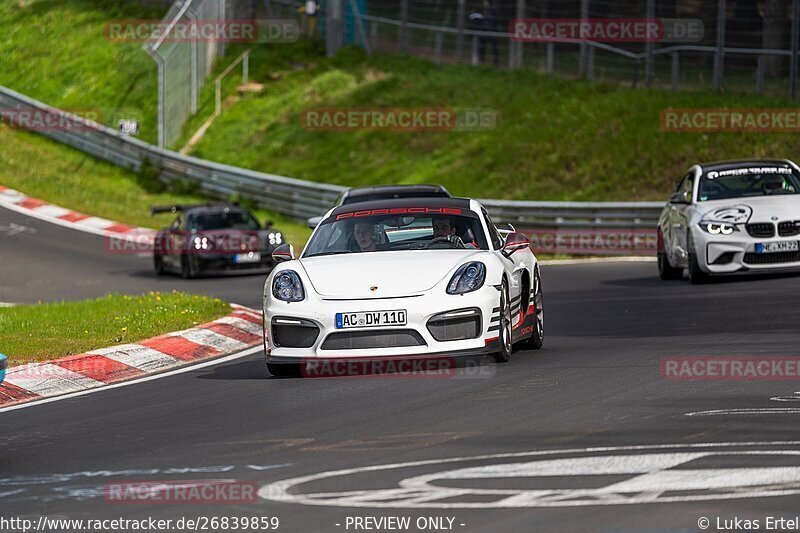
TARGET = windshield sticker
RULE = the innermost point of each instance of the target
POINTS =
(747, 171)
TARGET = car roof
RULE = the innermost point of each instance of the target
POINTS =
(428, 202)
(743, 163)
(434, 190)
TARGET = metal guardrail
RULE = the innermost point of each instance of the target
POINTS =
(301, 199)
(288, 196)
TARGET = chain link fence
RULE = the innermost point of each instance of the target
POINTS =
(743, 45)
(185, 63)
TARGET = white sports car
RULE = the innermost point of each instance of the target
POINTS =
(416, 278)
(731, 217)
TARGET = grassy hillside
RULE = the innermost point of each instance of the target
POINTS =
(56, 51)
(556, 139)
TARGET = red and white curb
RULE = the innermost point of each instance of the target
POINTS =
(27, 205)
(239, 330)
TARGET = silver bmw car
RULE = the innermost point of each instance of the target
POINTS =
(731, 217)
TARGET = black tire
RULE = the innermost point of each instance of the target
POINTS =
(667, 271)
(284, 370)
(504, 355)
(187, 267)
(158, 264)
(536, 340)
(696, 274)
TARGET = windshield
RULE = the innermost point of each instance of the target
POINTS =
(374, 197)
(746, 182)
(391, 233)
(222, 220)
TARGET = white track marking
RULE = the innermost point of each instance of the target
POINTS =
(137, 356)
(45, 378)
(240, 323)
(762, 411)
(206, 337)
(189, 368)
(53, 210)
(648, 487)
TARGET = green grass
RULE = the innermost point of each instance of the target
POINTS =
(56, 51)
(47, 331)
(55, 173)
(556, 139)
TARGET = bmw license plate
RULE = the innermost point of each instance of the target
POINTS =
(251, 257)
(772, 247)
(370, 319)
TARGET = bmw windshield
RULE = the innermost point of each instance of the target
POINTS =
(747, 182)
(345, 233)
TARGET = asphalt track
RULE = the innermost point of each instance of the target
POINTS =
(596, 384)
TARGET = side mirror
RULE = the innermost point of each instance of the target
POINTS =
(284, 252)
(516, 241)
(313, 222)
(680, 198)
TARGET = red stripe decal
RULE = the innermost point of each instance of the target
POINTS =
(179, 348)
(233, 332)
(12, 394)
(99, 368)
(73, 217)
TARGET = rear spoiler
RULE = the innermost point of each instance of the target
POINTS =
(160, 209)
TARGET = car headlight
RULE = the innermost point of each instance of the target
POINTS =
(275, 238)
(469, 277)
(201, 243)
(287, 286)
(716, 228)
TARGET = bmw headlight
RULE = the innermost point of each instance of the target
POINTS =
(287, 286)
(275, 239)
(469, 277)
(717, 228)
(201, 243)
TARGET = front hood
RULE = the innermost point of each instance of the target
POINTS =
(758, 209)
(395, 274)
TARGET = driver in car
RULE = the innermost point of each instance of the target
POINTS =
(443, 229)
(367, 237)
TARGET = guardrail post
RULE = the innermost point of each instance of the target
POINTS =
(675, 70)
(404, 26)
(582, 63)
(246, 68)
(334, 29)
(550, 57)
(518, 46)
(590, 63)
(438, 48)
(461, 14)
(474, 60)
(760, 75)
(795, 22)
(648, 46)
(719, 57)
